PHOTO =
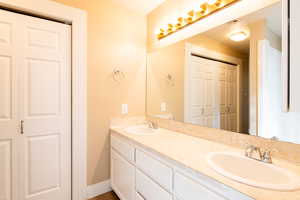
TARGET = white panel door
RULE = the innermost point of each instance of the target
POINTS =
(231, 93)
(202, 92)
(35, 92)
(45, 106)
(212, 94)
(9, 118)
(222, 98)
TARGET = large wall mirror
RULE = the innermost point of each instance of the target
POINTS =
(226, 78)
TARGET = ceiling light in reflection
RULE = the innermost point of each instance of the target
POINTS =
(239, 36)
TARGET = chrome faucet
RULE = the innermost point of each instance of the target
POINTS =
(152, 125)
(263, 157)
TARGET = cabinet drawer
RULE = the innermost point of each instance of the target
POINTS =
(148, 189)
(188, 189)
(158, 171)
(123, 148)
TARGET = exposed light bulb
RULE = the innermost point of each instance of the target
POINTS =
(200, 10)
(211, 2)
(157, 31)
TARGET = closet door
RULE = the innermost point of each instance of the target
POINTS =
(231, 93)
(9, 119)
(202, 92)
(45, 150)
(35, 108)
(222, 97)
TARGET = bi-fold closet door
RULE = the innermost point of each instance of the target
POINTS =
(213, 94)
(35, 108)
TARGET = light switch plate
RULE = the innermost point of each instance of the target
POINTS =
(124, 109)
(163, 107)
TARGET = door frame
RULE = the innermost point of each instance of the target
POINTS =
(191, 48)
(77, 18)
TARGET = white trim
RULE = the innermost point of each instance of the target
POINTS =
(285, 56)
(261, 63)
(78, 20)
(98, 189)
(189, 49)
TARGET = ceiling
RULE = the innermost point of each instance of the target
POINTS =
(143, 7)
(272, 15)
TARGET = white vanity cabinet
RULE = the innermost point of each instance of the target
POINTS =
(138, 174)
(122, 176)
(122, 169)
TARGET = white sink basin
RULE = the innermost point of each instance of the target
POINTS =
(252, 172)
(141, 130)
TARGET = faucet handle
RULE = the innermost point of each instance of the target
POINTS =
(249, 149)
(267, 158)
(152, 125)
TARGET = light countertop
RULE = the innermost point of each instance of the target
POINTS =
(191, 152)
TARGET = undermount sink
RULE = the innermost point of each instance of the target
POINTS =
(141, 130)
(252, 172)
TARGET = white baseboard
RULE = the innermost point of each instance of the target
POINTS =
(98, 189)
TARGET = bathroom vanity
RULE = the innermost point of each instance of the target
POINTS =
(235, 77)
(168, 165)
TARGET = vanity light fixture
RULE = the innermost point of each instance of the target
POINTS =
(205, 9)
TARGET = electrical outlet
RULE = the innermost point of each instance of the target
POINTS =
(124, 109)
(163, 107)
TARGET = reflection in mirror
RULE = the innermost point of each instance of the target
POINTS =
(227, 78)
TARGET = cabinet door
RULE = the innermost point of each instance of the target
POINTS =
(122, 177)
(294, 55)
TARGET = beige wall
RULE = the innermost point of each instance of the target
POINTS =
(171, 60)
(116, 38)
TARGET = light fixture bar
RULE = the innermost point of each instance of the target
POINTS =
(204, 10)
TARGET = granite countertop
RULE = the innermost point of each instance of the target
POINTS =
(193, 152)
